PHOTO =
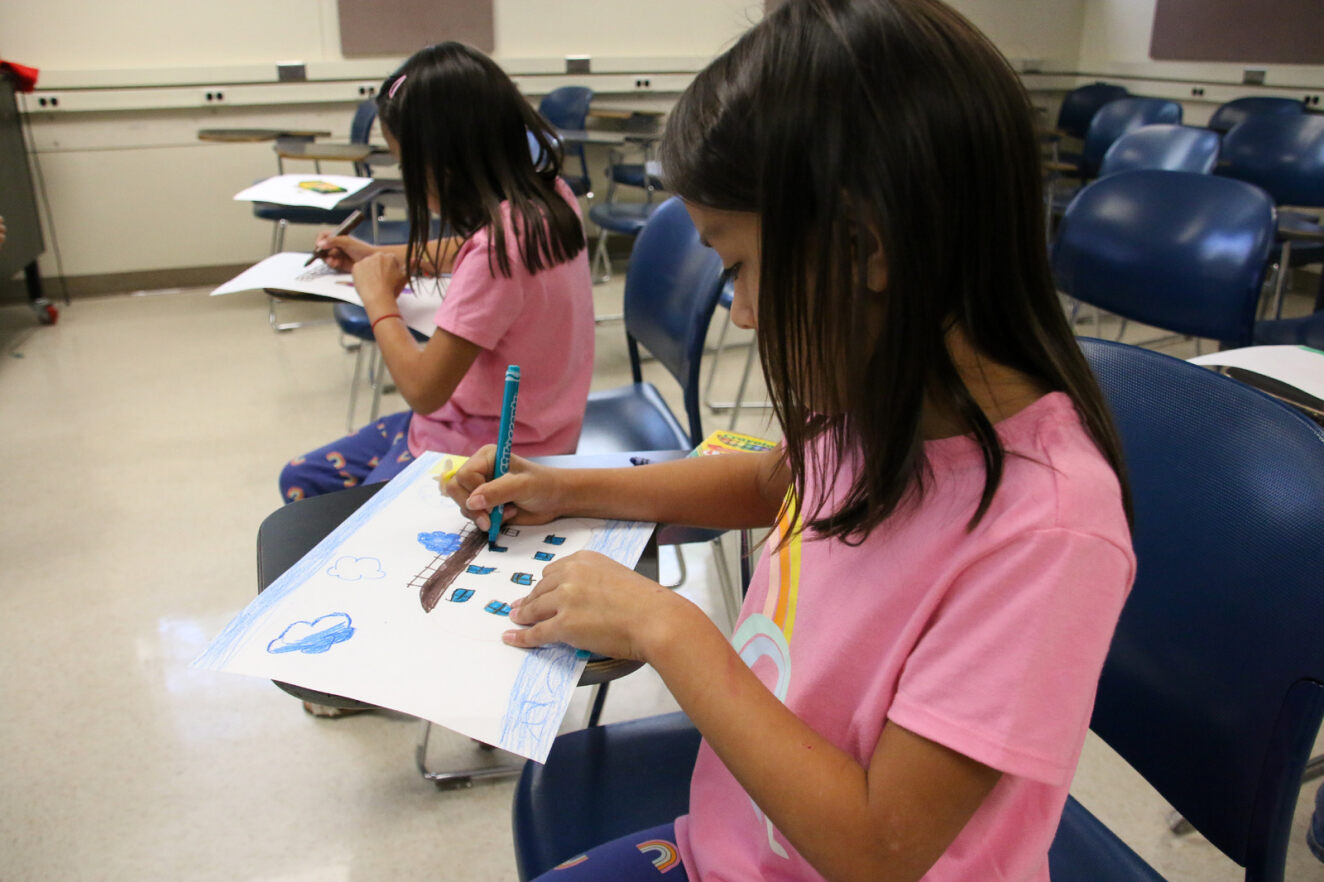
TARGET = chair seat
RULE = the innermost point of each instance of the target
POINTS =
(353, 320)
(1084, 850)
(622, 217)
(630, 417)
(1307, 331)
(299, 214)
(590, 790)
(632, 175)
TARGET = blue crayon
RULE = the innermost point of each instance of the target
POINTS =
(503, 443)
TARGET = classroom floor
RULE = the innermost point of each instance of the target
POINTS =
(146, 433)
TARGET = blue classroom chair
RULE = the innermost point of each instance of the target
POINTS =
(1284, 155)
(672, 288)
(1232, 113)
(1180, 251)
(567, 108)
(1162, 146)
(1213, 688)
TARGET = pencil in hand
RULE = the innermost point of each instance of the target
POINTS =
(347, 227)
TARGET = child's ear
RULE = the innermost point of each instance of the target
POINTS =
(875, 261)
(865, 236)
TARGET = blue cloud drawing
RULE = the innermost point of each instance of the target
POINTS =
(352, 569)
(314, 637)
(440, 542)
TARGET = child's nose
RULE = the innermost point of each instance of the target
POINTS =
(742, 311)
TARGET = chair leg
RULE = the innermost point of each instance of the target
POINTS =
(378, 381)
(740, 392)
(354, 383)
(712, 371)
(599, 699)
(454, 780)
(1284, 270)
(601, 261)
(738, 403)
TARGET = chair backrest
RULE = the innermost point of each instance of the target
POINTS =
(567, 107)
(1116, 118)
(1283, 154)
(1176, 250)
(1238, 110)
(1162, 146)
(1080, 105)
(1213, 688)
(671, 289)
(360, 129)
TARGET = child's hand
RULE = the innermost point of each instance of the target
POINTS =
(342, 252)
(530, 493)
(592, 602)
(378, 276)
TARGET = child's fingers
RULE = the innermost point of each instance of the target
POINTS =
(529, 638)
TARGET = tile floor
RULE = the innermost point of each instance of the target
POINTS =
(145, 434)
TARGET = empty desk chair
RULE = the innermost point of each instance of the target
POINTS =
(1180, 251)
(1162, 146)
(1228, 116)
(567, 108)
(1284, 155)
(1077, 110)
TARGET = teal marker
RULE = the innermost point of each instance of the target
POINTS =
(503, 443)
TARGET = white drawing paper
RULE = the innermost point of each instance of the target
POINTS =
(403, 606)
(1297, 366)
(285, 272)
(314, 191)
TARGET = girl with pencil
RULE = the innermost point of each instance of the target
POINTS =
(909, 683)
(520, 291)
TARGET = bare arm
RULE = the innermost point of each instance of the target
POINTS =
(889, 820)
(426, 375)
(731, 491)
(342, 252)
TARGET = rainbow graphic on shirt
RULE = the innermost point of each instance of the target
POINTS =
(784, 570)
(767, 634)
(665, 856)
(573, 862)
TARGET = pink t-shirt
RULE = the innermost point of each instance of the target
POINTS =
(542, 322)
(989, 642)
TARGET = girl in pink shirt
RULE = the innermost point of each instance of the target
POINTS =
(910, 679)
(520, 291)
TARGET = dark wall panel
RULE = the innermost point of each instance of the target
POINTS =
(1249, 31)
(399, 27)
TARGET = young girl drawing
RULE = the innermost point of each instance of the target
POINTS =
(910, 679)
(520, 291)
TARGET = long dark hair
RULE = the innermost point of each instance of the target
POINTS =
(464, 130)
(838, 121)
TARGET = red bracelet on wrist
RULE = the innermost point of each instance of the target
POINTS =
(383, 318)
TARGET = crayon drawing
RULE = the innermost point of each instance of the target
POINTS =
(405, 595)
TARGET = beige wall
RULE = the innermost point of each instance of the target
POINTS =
(133, 190)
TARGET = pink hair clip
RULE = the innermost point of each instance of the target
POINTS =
(395, 87)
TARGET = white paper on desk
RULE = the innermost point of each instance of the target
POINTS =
(286, 272)
(303, 190)
(1295, 365)
(349, 618)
